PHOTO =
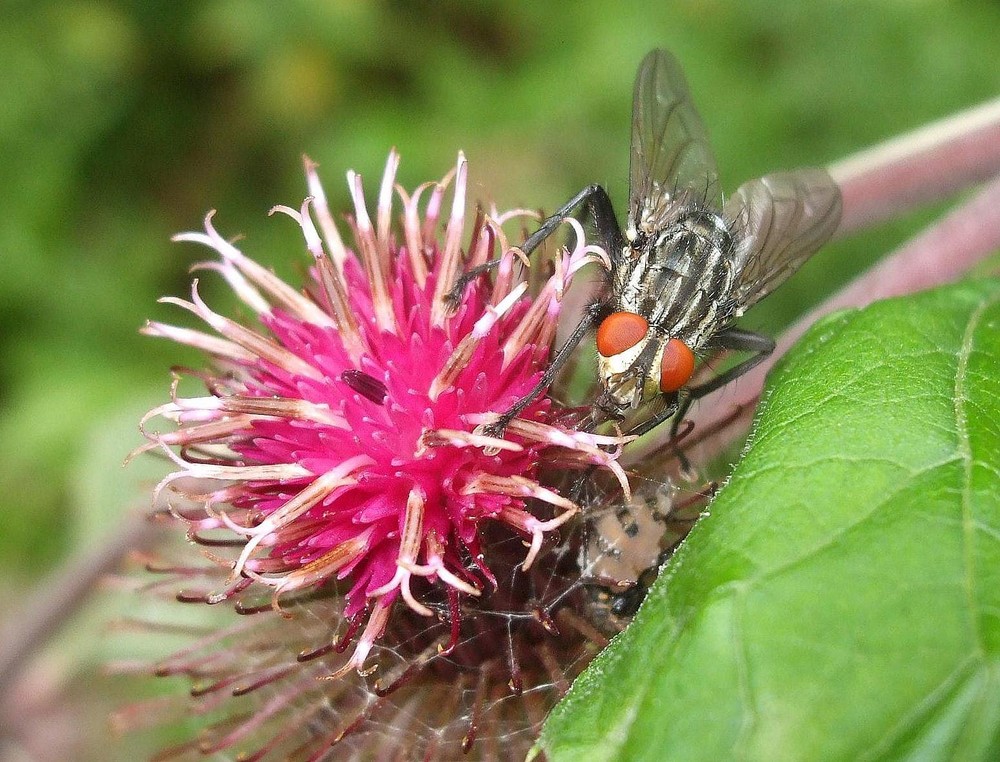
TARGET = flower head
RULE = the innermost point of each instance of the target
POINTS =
(341, 440)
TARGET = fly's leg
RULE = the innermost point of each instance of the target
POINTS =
(673, 406)
(497, 428)
(677, 405)
(598, 204)
(734, 339)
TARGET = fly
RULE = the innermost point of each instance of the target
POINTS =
(626, 543)
(624, 548)
(687, 265)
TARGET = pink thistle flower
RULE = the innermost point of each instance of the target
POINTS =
(342, 440)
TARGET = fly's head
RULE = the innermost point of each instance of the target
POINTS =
(636, 361)
(639, 356)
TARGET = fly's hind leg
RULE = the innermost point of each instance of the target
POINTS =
(733, 339)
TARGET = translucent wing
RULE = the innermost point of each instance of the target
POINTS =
(779, 221)
(671, 158)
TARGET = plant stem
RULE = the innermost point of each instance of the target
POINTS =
(59, 596)
(918, 168)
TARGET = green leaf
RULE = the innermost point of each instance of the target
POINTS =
(842, 599)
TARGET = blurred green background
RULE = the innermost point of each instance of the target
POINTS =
(122, 123)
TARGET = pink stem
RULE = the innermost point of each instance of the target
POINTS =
(59, 596)
(920, 167)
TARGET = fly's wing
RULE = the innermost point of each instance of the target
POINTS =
(671, 158)
(778, 222)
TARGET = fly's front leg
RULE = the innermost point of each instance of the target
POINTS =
(496, 429)
(597, 202)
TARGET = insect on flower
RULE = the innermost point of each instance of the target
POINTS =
(687, 265)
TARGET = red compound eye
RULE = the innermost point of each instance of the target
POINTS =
(676, 366)
(620, 331)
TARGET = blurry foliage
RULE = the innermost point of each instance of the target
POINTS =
(124, 122)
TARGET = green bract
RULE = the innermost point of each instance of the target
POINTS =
(842, 599)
